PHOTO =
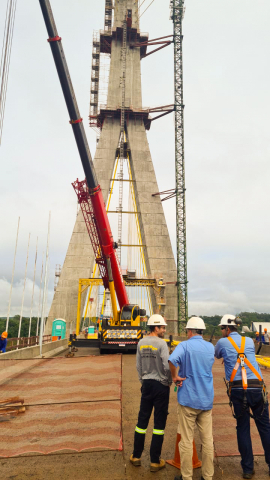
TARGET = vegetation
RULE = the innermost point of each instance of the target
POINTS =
(13, 326)
(247, 318)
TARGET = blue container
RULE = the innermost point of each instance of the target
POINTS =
(59, 329)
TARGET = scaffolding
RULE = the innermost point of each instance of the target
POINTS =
(177, 15)
(94, 89)
(108, 19)
(99, 81)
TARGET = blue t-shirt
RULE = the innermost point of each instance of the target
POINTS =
(3, 344)
(195, 358)
(224, 349)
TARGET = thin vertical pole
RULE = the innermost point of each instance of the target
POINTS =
(12, 278)
(45, 288)
(40, 290)
(46, 297)
(30, 321)
(20, 324)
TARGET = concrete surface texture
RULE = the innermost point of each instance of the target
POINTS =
(72, 404)
(158, 251)
(101, 465)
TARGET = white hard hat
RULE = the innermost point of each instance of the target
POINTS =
(156, 321)
(195, 323)
(227, 320)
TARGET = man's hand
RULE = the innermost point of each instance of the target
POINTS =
(175, 377)
(178, 381)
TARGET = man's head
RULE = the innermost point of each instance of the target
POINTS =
(4, 335)
(157, 325)
(265, 330)
(195, 326)
(229, 324)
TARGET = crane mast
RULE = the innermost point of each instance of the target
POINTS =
(177, 15)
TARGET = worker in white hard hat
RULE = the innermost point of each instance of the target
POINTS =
(155, 377)
(191, 368)
(246, 390)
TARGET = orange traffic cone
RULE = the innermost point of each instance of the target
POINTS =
(176, 460)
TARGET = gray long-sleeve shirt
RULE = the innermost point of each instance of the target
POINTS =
(152, 360)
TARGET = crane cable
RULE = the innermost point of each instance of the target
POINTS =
(146, 7)
(142, 3)
(5, 58)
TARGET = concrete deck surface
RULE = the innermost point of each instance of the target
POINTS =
(115, 465)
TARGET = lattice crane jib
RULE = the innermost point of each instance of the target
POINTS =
(177, 14)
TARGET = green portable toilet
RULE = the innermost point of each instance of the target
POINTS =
(59, 329)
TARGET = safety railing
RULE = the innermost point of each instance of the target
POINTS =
(14, 343)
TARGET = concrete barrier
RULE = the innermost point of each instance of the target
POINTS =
(265, 351)
(48, 349)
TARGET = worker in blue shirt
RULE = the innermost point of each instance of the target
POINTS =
(195, 358)
(3, 342)
(246, 390)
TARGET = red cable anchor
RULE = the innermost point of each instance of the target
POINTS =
(76, 121)
(54, 39)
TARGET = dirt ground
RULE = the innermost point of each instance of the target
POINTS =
(115, 465)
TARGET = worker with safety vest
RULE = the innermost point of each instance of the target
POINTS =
(246, 390)
(195, 358)
(3, 342)
(155, 377)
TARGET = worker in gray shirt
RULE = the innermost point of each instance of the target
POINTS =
(155, 377)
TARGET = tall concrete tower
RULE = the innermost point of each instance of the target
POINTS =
(122, 117)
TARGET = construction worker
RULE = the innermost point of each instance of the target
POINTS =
(266, 337)
(246, 390)
(195, 358)
(155, 377)
(3, 342)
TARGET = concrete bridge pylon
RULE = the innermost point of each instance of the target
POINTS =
(158, 253)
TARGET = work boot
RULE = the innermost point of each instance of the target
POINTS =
(178, 477)
(135, 461)
(155, 467)
(249, 475)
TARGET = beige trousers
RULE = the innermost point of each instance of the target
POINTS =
(187, 418)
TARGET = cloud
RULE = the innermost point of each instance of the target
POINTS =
(17, 296)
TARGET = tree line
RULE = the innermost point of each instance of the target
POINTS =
(13, 326)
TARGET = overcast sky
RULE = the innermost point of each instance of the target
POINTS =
(227, 148)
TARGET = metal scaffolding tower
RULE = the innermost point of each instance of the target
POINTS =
(177, 15)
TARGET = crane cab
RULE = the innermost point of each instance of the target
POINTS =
(130, 316)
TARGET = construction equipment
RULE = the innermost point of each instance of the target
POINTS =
(126, 321)
(71, 345)
(11, 407)
(177, 15)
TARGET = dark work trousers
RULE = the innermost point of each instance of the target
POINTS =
(261, 418)
(154, 395)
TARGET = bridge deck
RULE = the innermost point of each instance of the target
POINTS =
(109, 464)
